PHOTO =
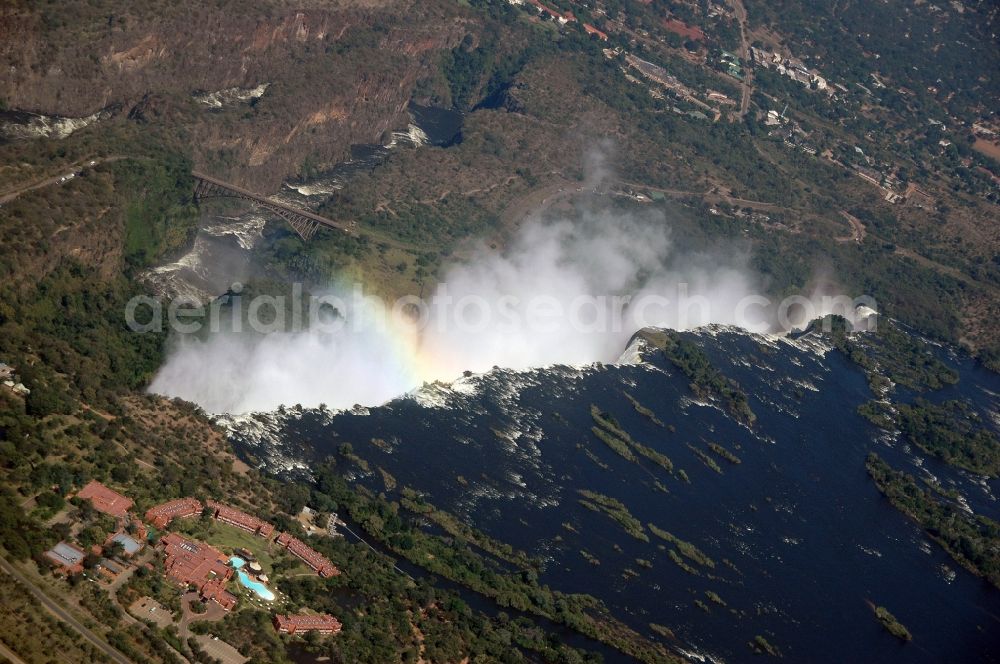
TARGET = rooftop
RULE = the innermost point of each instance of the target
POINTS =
(193, 563)
(104, 499)
(162, 514)
(128, 543)
(323, 622)
(320, 563)
(65, 554)
(240, 519)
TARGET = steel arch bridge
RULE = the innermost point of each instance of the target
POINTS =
(304, 223)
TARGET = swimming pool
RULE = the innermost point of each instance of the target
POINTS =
(262, 591)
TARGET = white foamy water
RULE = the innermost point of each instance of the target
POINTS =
(247, 229)
(413, 136)
(229, 96)
(335, 179)
(45, 126)
(213, 261)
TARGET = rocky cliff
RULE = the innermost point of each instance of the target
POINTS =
(336, 73)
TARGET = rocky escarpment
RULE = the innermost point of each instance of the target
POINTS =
(336, 73)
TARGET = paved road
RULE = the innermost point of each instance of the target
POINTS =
(63, 614)
(75, 168)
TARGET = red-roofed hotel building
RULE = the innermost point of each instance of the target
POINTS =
(161, 515)
(317, 561)
(192, 563)
(323, 623)
(104, 499)
(240, 519)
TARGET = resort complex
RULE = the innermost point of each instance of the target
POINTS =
(66, 558)
(105, 500)
(235, 517)
(192, 565)
(317, 561)
(198, 565)
(161, 515)
(322, 623)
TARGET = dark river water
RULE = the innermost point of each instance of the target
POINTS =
(809, 541)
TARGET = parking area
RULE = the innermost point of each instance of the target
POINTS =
(220, 650)
(147, 608)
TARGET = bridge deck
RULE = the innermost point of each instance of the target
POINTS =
(246, 193)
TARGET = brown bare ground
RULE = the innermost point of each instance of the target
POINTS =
(988, 148)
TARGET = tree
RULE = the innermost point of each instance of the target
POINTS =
(114, 550)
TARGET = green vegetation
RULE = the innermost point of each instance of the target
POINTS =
(665, 632)
(621, 442)
(892, 625)
(160, 217)
(63, 330)
(707, 382)
(28, 629)
(763, 646)
(972, 540)
(953, 432)
(228, 538)
(642, 410)
(21, 536)
(390, 481)
(70, 254)
(661, 460)
(616, 510)
(251, 631)
(518, 590)
(687, 548)
(151, 583)
(724, 453)
(705, 459)
(415, 502)
(894, 354)
(618, 445)
(593, 457)
(676, 558)
(714, 598)
(879, 413)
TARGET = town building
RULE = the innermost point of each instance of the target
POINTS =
(215, 590)
(317, 561)
(322, 623)
(686, 31)
(591, 30)
(720, 98)
(161, 515)
(130, 545)
(109, 568)
(562, 18)
(105, 500)
(235, 517)
(67, 558)
(199, 565)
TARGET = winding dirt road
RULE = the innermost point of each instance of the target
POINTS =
(746, 86)
(56, 179)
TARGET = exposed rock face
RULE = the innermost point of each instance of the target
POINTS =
(338, 72)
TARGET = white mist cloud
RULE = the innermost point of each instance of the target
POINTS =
(607, 275)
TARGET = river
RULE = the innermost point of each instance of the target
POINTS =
(808, 538)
